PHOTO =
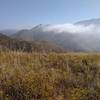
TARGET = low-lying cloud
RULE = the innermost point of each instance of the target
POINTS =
(71, 28)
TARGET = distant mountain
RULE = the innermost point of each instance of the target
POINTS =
(88, 41)
(66, 41)
(9, 32)
(7, 43)
(89, 22)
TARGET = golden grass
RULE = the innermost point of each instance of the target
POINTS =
(52, 76)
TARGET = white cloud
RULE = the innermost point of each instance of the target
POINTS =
(71, 28)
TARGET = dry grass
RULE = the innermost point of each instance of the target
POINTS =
(40, 76)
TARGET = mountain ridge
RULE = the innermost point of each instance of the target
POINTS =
(95, 21)
(84, 42)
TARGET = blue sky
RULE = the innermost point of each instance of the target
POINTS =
(27, 13)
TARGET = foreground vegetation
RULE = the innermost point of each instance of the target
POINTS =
(40, 76)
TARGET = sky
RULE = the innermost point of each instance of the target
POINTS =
(16, 14)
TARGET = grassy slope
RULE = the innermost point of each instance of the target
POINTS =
(38, 76)
(7, 43)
